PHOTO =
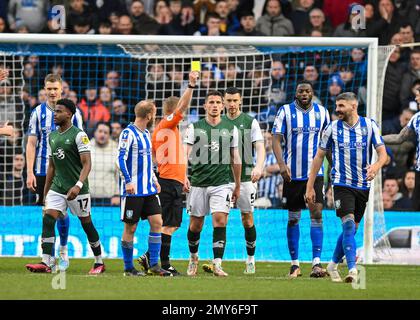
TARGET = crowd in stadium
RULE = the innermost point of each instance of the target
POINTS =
(105, 105)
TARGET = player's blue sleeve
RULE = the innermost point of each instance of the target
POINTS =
(124, 146)
(376, 135)
(413, 123)
(280, 125)
(33, 128)
(326, 138)
(326, 120)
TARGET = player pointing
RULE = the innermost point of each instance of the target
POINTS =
(67, 186)
(351, 139)
(299, 125)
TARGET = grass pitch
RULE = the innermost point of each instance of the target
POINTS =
(269, 282)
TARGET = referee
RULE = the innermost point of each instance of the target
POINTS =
(169, 154)
(407, 133)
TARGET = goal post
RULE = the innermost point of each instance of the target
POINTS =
(129, 45)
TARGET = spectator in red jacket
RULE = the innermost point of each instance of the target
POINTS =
(93, 110)
(337, 11)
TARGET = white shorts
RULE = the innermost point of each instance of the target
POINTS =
(201, 201)
(79, 207)
(245, 203)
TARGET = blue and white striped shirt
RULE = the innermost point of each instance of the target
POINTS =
(301, 130)
(135, 162)
(41, 124)
(268, 186)
(414, 124)
(351, 151)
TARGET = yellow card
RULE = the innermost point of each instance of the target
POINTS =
(196, 66)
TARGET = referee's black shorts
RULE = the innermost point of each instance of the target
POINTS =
(40, 184)
(416, 193)
(350, 201)
(294, 193)
(171, 201)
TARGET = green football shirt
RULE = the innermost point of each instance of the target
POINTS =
(249, 131)
(211, 148)
(64, 149)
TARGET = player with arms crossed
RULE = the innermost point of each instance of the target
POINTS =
(407, 133)
(139, 189)
(41, 124)
(67, 186)
(170, 157)
(249, 136)
(351, 139)
(299, 125)
(212, 149)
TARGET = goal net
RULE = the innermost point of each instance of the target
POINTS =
(107, 80)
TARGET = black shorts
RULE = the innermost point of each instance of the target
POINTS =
(134, 208)
(350, 201)
(416, 193)
(40, 184)
(294, 193)
(171, 201)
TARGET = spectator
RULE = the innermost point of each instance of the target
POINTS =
(112, 81)
(12, 183)
(103, 177)
(102, 8)
(347, 75)
(387, 25)
(65, 87)
(9, 146)
(73, 96)
(348, 28)
(105, 27)
(116, 129)
(335, 87)
(387, 201)
(228, 23)
(410, 76)
(42, 96)
(165, 16)
(395, 125)
(311, 74)
(92, 109)
(359, 65)
(159, 5)
(8, 102)
(317, 22)
(300, 16)
(125, 25)
(31, 79)
(176, 82)
(391, 105)
(32, 14)
(212, 27)
(114, 19)
(183, 23)
(274, 23)
(105, 96)
(271, 178)
(82, 25)
(279, 85)
(119, 112)
(392, 188)
(79, 9)
(248, 25)
(407, 188)
(412, 103)
(407, 36)
(3, 25)
(175, 6)
(233, 77)
(337, 11)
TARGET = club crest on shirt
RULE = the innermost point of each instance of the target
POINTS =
(364, 131)
(85, 140)
(317, 116)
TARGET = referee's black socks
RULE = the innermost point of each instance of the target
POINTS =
(165, 249)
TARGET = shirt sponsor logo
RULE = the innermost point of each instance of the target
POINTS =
(59, 154)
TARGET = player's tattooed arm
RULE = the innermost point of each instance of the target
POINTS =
(278, 152)
(405, 134)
